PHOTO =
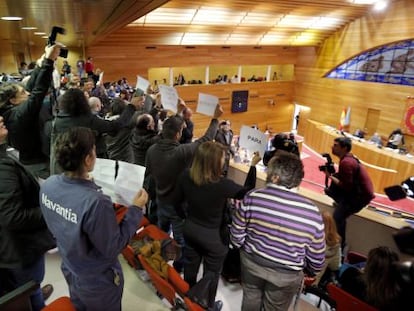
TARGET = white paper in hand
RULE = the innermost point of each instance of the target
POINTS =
(130, 179)
(100, 81)
(207, 104)
(169, 97)
(142, 84)
(104, 175)
(252, 139)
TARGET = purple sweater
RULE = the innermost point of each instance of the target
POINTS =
(280, 228)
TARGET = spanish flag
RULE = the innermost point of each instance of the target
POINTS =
(345, 119)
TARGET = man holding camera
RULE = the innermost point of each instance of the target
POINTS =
(20, 111)
(351, 188)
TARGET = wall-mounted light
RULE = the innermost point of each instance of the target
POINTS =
(11, 18)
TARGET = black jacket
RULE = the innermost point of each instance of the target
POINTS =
(64, 121)
(167, 159)
(24, 236)
(22, 121)
(140, 142)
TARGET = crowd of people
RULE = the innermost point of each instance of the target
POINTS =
(48, 197)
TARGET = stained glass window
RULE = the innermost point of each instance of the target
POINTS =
(392, 63)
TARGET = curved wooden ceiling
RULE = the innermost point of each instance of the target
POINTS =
(210, 22)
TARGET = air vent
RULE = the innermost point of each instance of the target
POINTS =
(257, 47)
(190, 47)
(226, 47)
(151, 47)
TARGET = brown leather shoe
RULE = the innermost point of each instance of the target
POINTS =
(47, 290)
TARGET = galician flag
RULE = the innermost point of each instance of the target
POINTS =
(345, 119)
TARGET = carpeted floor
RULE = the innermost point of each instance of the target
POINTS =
(315, 180)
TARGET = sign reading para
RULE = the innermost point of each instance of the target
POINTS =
(252, 139)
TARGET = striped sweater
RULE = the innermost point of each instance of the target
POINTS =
(281, 227)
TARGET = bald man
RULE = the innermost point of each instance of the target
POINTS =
(187, 134)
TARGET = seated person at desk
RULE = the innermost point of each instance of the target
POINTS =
(359, 133)
(376, 139)
(396, 139)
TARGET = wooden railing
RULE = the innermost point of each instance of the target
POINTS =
(384, 166)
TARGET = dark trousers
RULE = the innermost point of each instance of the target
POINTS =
(102, 291)
(168, 219)
(203, 244)
(11, 279)
(341, 213)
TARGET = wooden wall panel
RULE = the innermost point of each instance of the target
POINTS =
(276, 118)
(327, 97)
(134, 58)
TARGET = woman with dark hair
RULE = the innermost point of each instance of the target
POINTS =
(205, 192)
(74, 111)
(83, 221)
(378, 283)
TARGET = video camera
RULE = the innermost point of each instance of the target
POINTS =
(52, 40)
(329, 165)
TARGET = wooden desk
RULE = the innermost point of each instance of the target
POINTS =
(385, 167)
(365, 230)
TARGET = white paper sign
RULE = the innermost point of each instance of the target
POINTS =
(129, 180)
(207, 104)
(104, 175)
(252, 139)
(142, 84)
(100, 81)
(169, 97)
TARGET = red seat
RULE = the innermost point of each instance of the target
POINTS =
(173, 289)
(347, 302)
(355, 257)
(128, 252)
(163, 287)
(60, 304)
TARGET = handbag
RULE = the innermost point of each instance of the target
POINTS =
(228, 211)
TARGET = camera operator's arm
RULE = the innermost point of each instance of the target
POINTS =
(345, 176)
(29, 110)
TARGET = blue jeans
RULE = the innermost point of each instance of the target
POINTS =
(11, 279)
(167, 219)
